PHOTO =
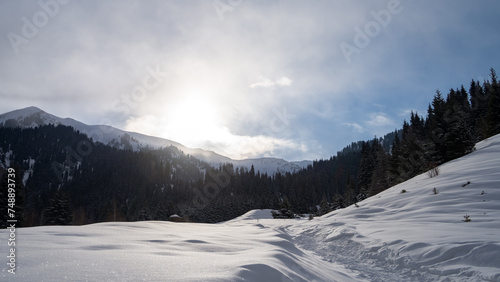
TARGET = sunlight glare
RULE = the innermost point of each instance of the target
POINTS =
(194, 117)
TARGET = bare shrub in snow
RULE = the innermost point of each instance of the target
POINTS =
(433, 171)
(467, 218)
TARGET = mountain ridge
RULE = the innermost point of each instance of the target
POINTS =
(33, 116)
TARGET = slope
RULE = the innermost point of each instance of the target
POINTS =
(420, 235)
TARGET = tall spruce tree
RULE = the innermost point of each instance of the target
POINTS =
(493, 111)
(380, 180)
(366, 167)
(394, 161)
(459, 138)
(59, 210)
(438, 127)
(479, 106)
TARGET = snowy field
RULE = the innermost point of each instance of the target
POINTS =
(393, 236)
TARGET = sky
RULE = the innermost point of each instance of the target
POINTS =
(297, 80)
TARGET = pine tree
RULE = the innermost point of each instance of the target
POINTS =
(366, 167)
(59, 211)
(324, 206)
(479, 106)
(394, 161)
(414, 153)
(493, 111)
(285, 210)
(459, 138)
(438, 127)
(380, 180)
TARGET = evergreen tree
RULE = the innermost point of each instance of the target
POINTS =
(380, 180)
(458, 140)
(438, 127)
(411, 155)
(366, 168)
(324, 206)
(285, 210)
(59, 211)
(479, 106)
(493, 111)
(394, 161)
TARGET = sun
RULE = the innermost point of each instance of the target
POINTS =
(194, 117)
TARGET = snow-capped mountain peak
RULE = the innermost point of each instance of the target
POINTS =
(33, 117)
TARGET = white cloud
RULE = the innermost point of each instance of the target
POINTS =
(268, 83)
(355, 126)
(264, 83)
(284, 81)
(379, 120)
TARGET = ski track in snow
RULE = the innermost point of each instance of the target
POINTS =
(392, 236)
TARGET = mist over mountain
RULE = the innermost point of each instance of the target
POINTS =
(32, 117)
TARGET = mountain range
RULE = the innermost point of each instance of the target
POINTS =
(31, 117)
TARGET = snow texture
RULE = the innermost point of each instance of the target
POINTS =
(392, 236)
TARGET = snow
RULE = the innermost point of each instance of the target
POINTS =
(392, 236)
(31, 165)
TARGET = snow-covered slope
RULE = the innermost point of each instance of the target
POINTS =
(413, 236)
(33, 116)
(419, 235)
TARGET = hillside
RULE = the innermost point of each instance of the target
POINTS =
(32, 116)
(393, 236)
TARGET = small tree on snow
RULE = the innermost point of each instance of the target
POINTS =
(285, 210)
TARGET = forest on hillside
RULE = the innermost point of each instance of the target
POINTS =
(63, 177)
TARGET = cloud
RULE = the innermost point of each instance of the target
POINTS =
(267, 83)
(284, 81)
(264, 83)
(379, 120)
(355, 126)
(215, 138)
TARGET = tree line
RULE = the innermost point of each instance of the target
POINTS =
(453, 125)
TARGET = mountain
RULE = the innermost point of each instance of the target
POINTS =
(33, 117)
(418, 235)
